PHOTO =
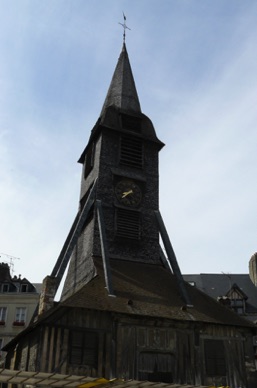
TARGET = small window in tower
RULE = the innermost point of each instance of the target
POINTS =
(131, 123)
(128, 224)
(131, 151)
(89, 159)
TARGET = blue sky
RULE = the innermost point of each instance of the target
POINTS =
(194, 64)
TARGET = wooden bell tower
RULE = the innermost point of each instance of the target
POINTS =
(121, 162)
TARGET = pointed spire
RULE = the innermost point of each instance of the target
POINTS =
(122, 91)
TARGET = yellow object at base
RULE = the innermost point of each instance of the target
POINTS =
(95, 383)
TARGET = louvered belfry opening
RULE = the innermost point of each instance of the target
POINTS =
(131, 151)
(128, 224)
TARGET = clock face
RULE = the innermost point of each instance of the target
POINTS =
(128, 193)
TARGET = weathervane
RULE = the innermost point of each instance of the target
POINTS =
(124, 27)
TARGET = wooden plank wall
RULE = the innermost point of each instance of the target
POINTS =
(121, 340)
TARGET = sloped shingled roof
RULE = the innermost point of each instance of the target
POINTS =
(122, 92)
(142, 290)
(217, 285)
(149, 290)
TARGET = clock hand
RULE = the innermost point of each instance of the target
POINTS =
(126, 193)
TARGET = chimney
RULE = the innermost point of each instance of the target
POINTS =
(46, 300)
(5, 273)
(253, 268)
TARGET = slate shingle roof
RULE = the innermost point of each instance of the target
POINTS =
(122, 92)
(216, 285)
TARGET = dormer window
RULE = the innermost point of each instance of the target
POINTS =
(24, 288)
(237, 299)
(238, 306)
(5, 287)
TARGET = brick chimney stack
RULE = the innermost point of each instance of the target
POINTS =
(47, 295)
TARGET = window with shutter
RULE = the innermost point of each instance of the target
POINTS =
(5, 287)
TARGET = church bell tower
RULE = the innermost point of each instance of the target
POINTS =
(120, 167)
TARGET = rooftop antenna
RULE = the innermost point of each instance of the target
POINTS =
(125, 27)
(229, 277)
(11, 259)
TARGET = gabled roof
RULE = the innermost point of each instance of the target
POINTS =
(122, 91)
(236, 289)
(14, 283)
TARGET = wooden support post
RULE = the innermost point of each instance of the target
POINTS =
(165, 260)
(72, 238)
(172, 259)
(104, 248)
